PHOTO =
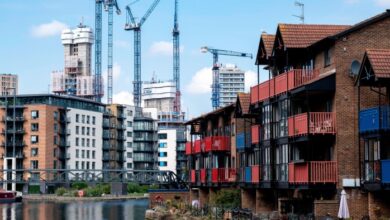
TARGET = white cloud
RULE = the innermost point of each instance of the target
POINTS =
(250, 80)
(201, 82)
(382, 3)
(123, 97)
(163, 48)
(49, 29)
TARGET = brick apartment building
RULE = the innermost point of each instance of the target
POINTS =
(317, 125)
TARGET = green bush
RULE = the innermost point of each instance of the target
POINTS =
(93, 191)
(60, 191)
(79, 185)
(133, 188)
(228, 198)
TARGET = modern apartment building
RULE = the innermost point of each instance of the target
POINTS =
(317, 126)
(161, 95)
(8, 84)
(232, 81)
(40, 132)
(76, 79)
(129, 133)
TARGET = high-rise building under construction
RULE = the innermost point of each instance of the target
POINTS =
(76, 78)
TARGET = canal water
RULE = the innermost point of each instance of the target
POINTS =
(79, 210)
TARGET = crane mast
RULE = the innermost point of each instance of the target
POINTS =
(109, 7)
(132, 25)
(215, 99)
(98, 50)
(176, 60)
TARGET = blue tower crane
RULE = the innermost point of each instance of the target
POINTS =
(176, 60)
(132, 25)
(216, 86)
(109, 7)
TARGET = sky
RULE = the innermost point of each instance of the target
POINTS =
(30, 43)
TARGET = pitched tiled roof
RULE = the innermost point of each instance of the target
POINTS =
(303, 35)
(379, 60)
(244, 99)
(268, 40)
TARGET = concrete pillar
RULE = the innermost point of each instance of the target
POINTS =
(248, 199)
(13, 174)
(264, 201)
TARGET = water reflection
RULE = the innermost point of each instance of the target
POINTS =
(130, 209)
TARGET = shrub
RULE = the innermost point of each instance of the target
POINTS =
(79, 185)
(133, 188)
(93, 191)
(60, 191)
(228, 198)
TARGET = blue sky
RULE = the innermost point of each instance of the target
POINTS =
(30, 43)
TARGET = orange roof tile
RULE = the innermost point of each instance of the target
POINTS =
(244, 99)
(303, 35)
(379, 60)
(268, 40)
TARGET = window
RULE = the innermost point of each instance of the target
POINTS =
(83, 130)
(82, 165)
(55, 140)
(34, 114)
(87, 119)
(34, 152)
(327, 56)
(55, 151)
(77, 129)
(163, 164)
(77, 141)
(82, 118)
(83, 154)
(93, 143)
(129, 124)
(55, 115)
(129, 165)
(162, 154)
(93, 131)
(129, 144)
(34, 139)
(93, 154)
(130, 113)
(87, 165)
(93, 120)
(77, 153)
(77, 165)
(162, 145)
(129, 155)
(88, 130)
(129, 134)
(55, 127)
(162, 136)
(34, 164)
(93, 165)
(82, 142)
(77, 117)
(88, 154)
(87, 142)
(34, 127)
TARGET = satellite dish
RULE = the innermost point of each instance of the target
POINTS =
(355, 67)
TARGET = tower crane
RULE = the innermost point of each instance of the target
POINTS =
(133, 25)
(109, 7)
(176, 60)
(216, 53)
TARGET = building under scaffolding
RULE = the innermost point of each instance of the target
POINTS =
(76, 79)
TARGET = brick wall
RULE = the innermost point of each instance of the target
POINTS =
(379, 205)
(248, 199)
(325, 207)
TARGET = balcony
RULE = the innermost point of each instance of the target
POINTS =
(188, 148)
(377, 171)
(255, 134)
(197, 147)
(312, 123)
(282, 84)
(223, 175)
(216, 143)
(203, 175)
(192, 176)
(17, 144)
(374, 119)
(314, 172)
(255, 173)
(11, 131)
(240, 141)
(11, 118)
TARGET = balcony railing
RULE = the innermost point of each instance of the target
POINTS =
(374, 119)
(223, 175)
(188, 148)
(240, 141)
(197, 147)
(312, 123)
(313, 172)
(255, 134)
(192, 176)
(255, 173)
(282, 83)
(216, 143)
(377, 171)
(203, 174)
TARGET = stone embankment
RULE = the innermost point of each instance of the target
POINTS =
(68, 198)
